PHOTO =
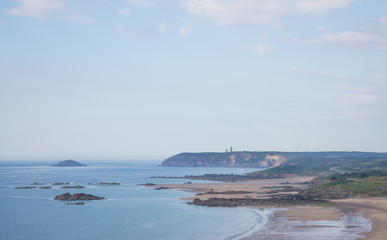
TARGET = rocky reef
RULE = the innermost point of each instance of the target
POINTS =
(28, 187)
(278, 201)
(77, 197)
(106, 183)
(77, 186)
(325, 193)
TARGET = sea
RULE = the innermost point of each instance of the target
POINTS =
(130, 211)
(133, 211)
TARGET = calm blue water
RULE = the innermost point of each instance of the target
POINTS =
(130, 211)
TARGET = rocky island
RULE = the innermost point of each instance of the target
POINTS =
(77, 197)
(69, 163)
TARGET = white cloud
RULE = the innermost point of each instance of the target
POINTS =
(365, 97)
(142, 3)
(123, 11)
(48, 9)
(37, 8)
(379, 79)
(262, 49)
(321, 28)
(318, 74)
(163, 27)
(185, 30)
(350, 38)
(372, 36)
(320, 6)
(254, 12)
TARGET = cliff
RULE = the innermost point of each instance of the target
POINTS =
(230, 159)
(264, 159)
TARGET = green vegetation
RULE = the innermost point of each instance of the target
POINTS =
(335, 168)
(371, 173)
(365, 164)
(294, 169)
(369, 186)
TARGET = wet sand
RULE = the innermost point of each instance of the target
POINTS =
(258, 188)
(374, 209)
(346, 219)
(317, 223)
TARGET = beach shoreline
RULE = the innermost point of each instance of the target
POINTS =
(347, 218)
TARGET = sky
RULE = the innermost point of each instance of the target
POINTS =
(147, 79)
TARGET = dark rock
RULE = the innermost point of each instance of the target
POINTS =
(77, 197)
(149, 184)
(45, 187)
(24, 187)
(77, 186)
(69, 163)
(278, 201)
(325, 193)
(161, 188)
(107, 183)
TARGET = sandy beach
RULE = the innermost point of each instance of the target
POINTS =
(374, 209)
(257, 188)
(347, 219)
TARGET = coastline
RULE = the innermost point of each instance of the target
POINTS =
(347, 218)
(374, 209)
(314, 223)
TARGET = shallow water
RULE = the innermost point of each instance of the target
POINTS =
(130, 211)
(351, 225)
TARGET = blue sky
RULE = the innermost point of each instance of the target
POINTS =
(146, 79)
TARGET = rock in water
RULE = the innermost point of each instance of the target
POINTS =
(77, 197)
(69, 163)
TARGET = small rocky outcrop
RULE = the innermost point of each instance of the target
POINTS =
(108, 183)
(76, 203)
(69, 163)
(28, 187)
(37, 184)
(77, 186)
(60, 183)
(148, 184)
(45, 187)
(77, 197)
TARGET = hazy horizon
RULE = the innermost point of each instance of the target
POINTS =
(147, 79)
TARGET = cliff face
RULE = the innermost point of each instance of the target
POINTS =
(266, 159)
(231, 159)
